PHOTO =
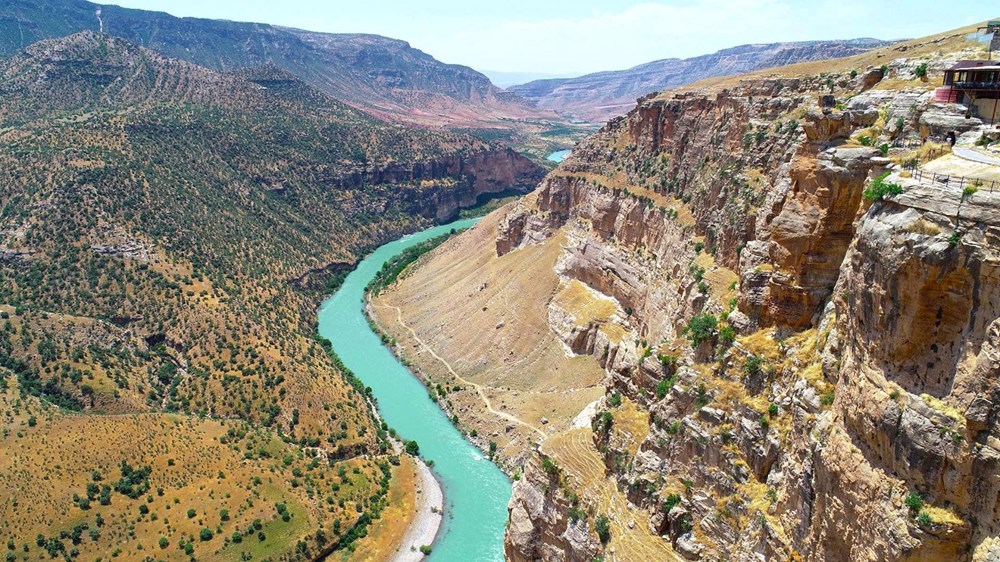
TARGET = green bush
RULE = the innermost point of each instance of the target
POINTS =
(753, 366)
(412, 448)
(701, 328)
(550, 467)
(664, 386)
(726, 337)
(671, 501)
(921, 70)
(925, 519)
(603, 527)
(914, 502)
(878, 189)
(205, 534)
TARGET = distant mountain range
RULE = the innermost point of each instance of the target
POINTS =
(599, 96)
(383, 76)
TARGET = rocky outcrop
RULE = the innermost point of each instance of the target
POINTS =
(540, 527)
(794, 271)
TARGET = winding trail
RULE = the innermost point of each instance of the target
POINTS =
(479, 388)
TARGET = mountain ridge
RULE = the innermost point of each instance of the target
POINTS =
(381, 75)
(600, 95)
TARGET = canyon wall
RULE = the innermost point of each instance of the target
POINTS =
(818, 370)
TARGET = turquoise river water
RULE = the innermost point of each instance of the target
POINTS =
(476, 492)
(559, 156)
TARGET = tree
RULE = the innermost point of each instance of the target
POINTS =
(205, 534)
(412, 448)
(701, 328)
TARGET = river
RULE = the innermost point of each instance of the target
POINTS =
(559, 155)
(476, 491)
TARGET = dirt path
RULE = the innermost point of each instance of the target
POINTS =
(479, 388)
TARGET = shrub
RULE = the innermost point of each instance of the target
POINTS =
(550, 467)
(753, 366)
(914, 502)
(164, 543)
(925, 519)
(921, 70)
(671, 501)
(615, 399)
(205, 534)
(772, 409)
(726, 337)
(603, 527)
(878, 189)
(425, 549)
(701, 328)
(664, 386)
(668, 361)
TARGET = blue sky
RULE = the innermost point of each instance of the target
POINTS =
(567, 37)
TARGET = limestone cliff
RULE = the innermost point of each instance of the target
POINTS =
(816, 370)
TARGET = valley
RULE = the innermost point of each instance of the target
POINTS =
(278, 295)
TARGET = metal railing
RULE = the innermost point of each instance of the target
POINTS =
(958, 182)
(977, 85)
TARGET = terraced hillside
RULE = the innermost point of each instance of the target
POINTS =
(165, 233)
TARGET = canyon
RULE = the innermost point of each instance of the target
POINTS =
(753, 317)
(758, 354)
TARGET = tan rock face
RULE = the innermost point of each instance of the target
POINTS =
(810, 234)
(540, 528)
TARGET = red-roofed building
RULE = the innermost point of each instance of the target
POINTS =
(975, 83)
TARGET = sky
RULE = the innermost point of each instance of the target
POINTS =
(572, 37)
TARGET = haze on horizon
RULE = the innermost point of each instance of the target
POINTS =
(573, 37)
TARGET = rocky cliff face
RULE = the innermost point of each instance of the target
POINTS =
(817, 371)
(442, 186)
